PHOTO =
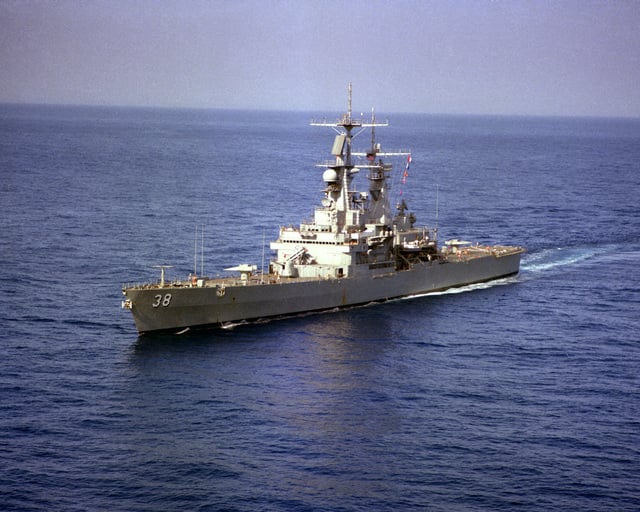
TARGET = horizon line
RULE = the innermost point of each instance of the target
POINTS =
(294, 110)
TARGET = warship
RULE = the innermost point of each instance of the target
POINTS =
(356, 250)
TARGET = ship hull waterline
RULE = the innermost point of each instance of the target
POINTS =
(172, 309)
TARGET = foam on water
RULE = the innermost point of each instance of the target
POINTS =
(560, 257)
(465, 289)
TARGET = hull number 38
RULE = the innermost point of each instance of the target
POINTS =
(160, 300)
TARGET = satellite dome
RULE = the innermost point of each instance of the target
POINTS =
(330, 176)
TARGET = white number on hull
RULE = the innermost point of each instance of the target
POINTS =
(160, 300)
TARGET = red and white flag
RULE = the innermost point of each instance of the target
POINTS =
(405, 175)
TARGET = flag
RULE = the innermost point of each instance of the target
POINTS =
(405, 175)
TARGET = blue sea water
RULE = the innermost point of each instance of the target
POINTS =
(517, 395)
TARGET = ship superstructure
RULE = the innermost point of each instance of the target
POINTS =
(353, 233)
(355, 250)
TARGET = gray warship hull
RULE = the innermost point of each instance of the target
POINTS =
(174, 307)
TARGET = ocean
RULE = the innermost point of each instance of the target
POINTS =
(521, 394)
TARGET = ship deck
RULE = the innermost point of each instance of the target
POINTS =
(447, 255)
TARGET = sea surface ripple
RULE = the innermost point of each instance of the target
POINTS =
(516, 395)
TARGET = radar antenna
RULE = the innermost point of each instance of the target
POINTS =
(162, 267)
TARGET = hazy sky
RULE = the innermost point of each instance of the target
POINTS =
(571, 57)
